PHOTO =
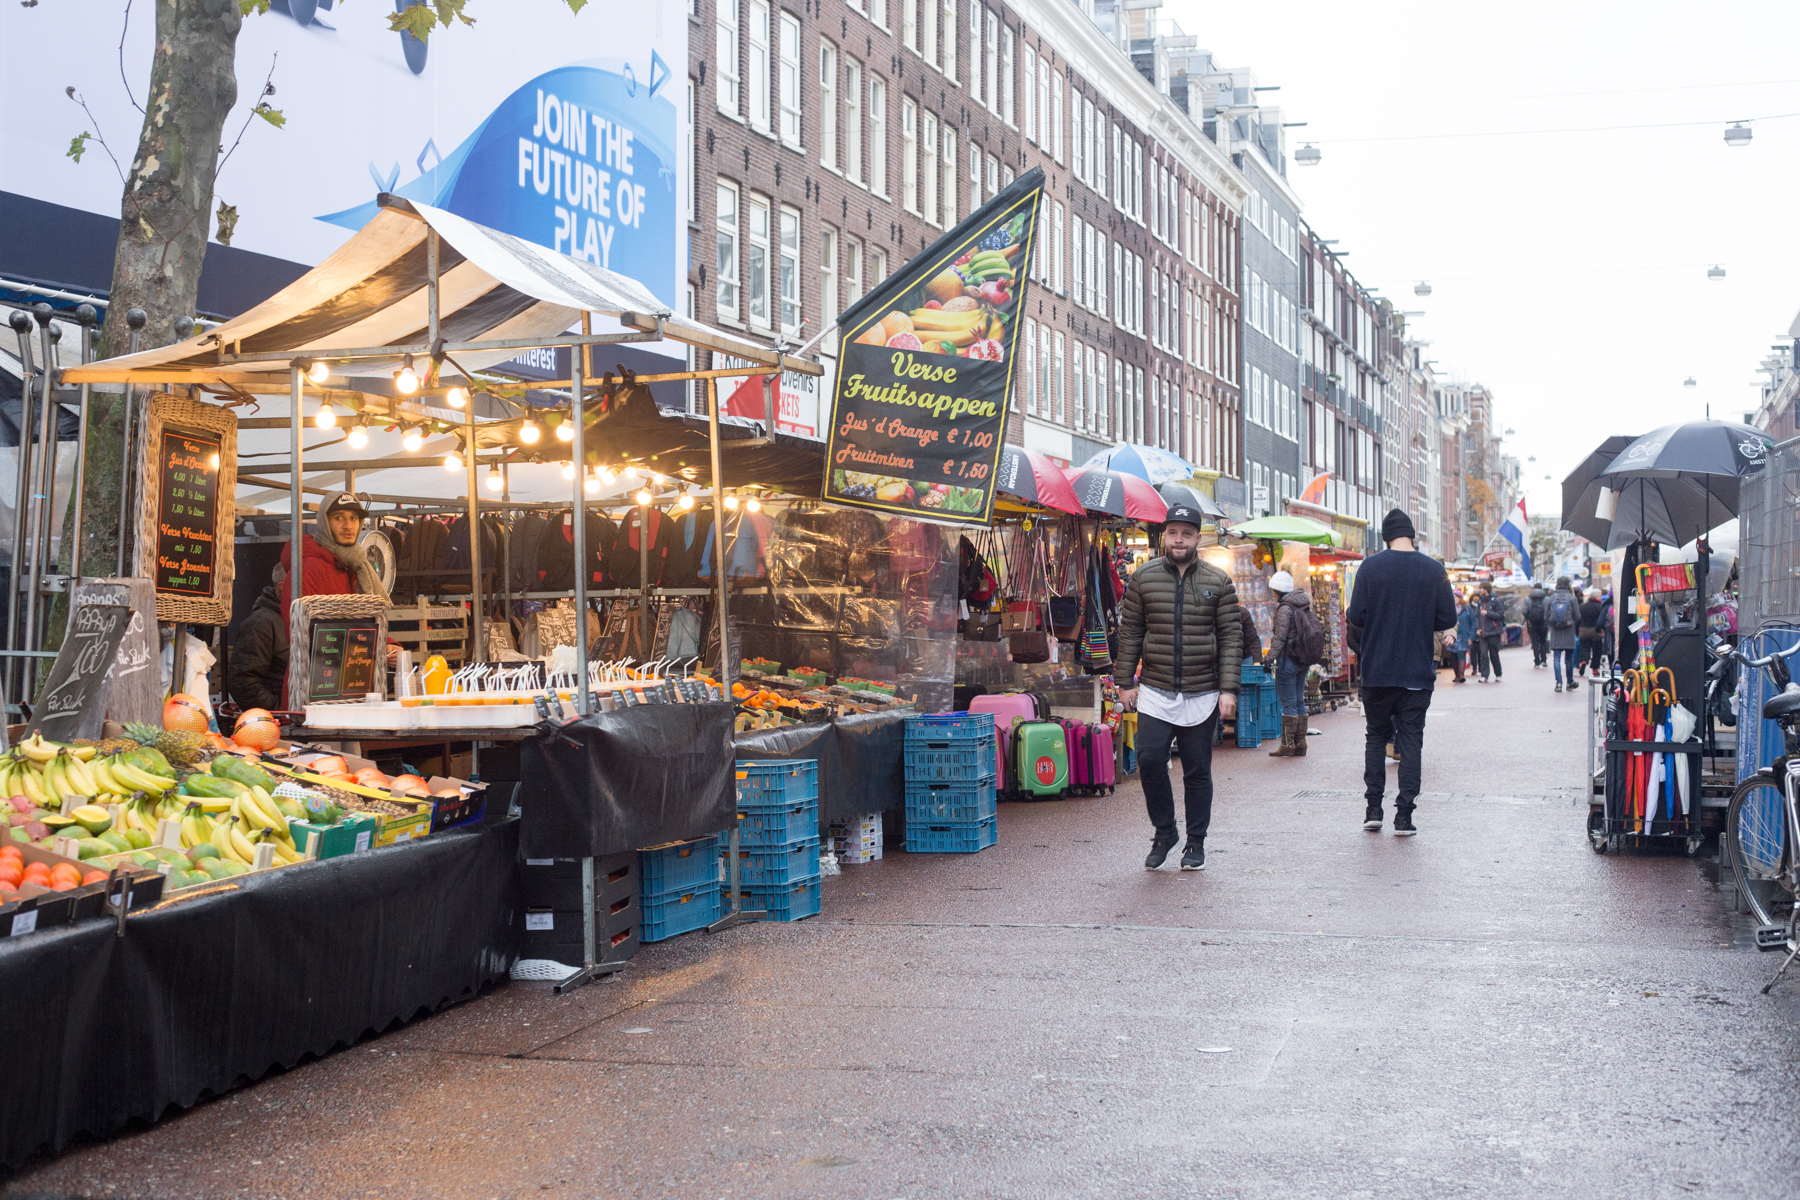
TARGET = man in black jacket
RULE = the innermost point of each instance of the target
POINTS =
(1537, 623)
(1493, 628)
(257, 676)
(1402, 599)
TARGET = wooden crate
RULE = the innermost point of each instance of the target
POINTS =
(427, 629)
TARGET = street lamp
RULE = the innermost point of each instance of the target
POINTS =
(1422, 288)
(1715, 272)
(1307, 155)
(1737, 134)
(1689, 382)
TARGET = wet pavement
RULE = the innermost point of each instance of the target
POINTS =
(1488, 1009)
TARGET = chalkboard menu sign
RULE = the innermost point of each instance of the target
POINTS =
(189, 495)
(344, 657)
(73, 702)
(189, 476)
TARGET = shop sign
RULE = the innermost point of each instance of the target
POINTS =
(928, 364)
(344, 655)
(797, 406)
(189, 467)
(1494, 558)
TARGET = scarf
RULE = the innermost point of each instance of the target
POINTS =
(354, 559)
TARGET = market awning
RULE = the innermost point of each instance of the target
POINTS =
(498, 295)
(1288, 529)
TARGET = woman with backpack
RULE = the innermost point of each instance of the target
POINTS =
(1468, 636)
(1298, 641)
(1562, 612)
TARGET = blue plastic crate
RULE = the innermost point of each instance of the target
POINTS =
(937, 760)
(776, 782)
(677, 867)
(678, 912)
(961, 837)
(778, 866)
(775, 826)
(1249, 718)
(1269, 711)
(791, 903)
(939, 725)
(936, 803)
(1252, 673)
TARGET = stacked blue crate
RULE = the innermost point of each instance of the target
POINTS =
(1255, 685)
(778, 837)
(678, 888)
(950, 781)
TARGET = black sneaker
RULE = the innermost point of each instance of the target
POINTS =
(1193, 857)
(1159, 849)
(1372, 818)
(1403, 826)
(1559, 687)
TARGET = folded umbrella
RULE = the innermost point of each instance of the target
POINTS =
(1581, 492)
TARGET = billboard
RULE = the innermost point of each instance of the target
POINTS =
(568, 130)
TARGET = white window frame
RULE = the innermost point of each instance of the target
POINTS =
(690, 151)
(726, 262)
(878, 135)
(1057, 392)
(853, 271)
(951, 165)
(1045, 381)
(828, 273)
(878, 13)
(992, 89)
(1028, 102)
(975, 11)
(1029, 342)
(928, 168)
(788, 257)
(1056, 117)
(1056, 239)
(853, 118)
(758, 247)
(993, 177)
(975, 155)
(757, 69)
(790, 79)
(909, 24)
(1006, 76)
(1102, 400)
(1042, 135)
(928, 31)
(948, 64)
(727, 67)
(877, 266)
(828, 105)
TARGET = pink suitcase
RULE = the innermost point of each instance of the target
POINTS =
(1005, 706)
(1102, 771)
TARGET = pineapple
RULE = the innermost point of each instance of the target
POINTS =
(180, 747)
(115, 746)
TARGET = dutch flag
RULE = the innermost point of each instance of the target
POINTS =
(1517, 530)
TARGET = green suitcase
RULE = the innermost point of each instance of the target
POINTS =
(1040, 760)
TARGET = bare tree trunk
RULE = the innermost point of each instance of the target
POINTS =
(163, 224)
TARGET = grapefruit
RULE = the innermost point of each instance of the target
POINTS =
(257, 728)
(186, 713)
(905, 341)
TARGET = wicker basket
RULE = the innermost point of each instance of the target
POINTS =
(167, 410)
(308, 609)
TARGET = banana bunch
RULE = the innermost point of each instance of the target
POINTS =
(242, 823)
(960, 328)
(50, 775)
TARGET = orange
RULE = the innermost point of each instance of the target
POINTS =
(63, 885)
(65, 871)
(93, 877)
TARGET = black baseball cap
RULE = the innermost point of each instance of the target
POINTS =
(1187, 514)
(342, 501)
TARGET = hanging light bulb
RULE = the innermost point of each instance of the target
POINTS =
(319, 372)
(628, 474)
(565, 430)
(591, 484)
(413, 437)
(686, 502)
(656, 480)
(731, 501)
(754, 505)
(643, 498)
(530, 431)
(359, 437)
(456, 397)
(608, 476)
(406, 379)
(453, 461)
(327, 416)
(494, 482)
(568, 470)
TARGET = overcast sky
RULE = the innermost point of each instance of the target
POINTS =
(1568, 271)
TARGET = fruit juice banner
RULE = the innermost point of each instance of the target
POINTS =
(918, 415)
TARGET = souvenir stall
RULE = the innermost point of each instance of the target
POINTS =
(1313, 554)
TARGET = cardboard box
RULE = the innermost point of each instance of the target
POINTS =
(354, 834)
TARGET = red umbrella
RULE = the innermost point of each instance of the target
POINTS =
(1116, 494)
(1034, 479)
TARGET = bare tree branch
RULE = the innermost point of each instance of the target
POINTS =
(259, 109)
(78, 144)
(122, 76)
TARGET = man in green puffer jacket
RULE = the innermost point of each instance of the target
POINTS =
(1180, 621)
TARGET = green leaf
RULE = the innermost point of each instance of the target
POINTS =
(575, 6)
(228, 219)
(273, 116)
(78, 145)
(250, 7)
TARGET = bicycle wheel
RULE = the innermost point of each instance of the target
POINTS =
(1756, 843)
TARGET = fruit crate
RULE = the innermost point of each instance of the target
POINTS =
(964, 760)
(678, 912)
(678, 866)
(775, 826)
(936, 803)
(351, 835)
(778, 866)
(962, 837)
(776, 782)
(940, 726)
(794, 902)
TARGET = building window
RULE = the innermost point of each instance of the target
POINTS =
(1100, 272)
(1056, 118)
(790, 79)
(974, 178)
(790, 270)
(1135, 377)
(951, 165)
(1006, 76)
(877, 266)
(853, 168)
(757, 276)
(725, 55)
(1029, 380)
(928, 31)
(828, 107)
(1076, 282)
(1137, 182)
(1056, 246)
(726, 268)
(993, 63)
(929, 169)
(909, 24)
(759, 65)
(1056, 380)
(828, 274)
(1028, 105)
(909, 155)
(1101, 401)
(1006, 175)
(853, 271)
(878, 135)
(1042, 134)
(1043, 390)
(975, 50)
(1119, 282)
(1099, 132)
(878, 13)
(993, 177)
(691, 153)
(950, 39)
(1127, 428)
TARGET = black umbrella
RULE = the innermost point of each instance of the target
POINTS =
(1581, 492)
(1181, 493)
(1695, 448)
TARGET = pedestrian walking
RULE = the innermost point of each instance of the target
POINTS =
(1468, 638)
(1297, 643)
(1401, 600)
(1180, 621)
(1563, 615)
(1590, 633)
(1453, 652)
(1536, 624)
(1493, 629)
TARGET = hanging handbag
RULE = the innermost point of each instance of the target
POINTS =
(983, 625)
(1030, 646)
(1065, 617)
(1095, 651)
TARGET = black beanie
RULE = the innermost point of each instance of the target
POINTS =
(1396, 525)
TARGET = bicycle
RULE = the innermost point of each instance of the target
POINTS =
(1762, 824)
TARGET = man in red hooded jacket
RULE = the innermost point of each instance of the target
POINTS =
(333, 561)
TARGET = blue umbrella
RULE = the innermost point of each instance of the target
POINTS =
(1149, 463)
